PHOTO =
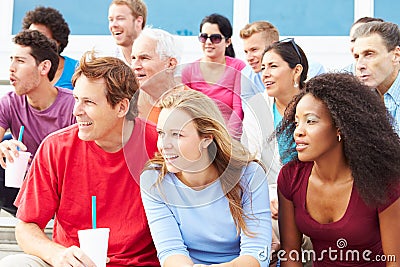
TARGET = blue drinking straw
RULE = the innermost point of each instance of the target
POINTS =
(21, 132)
(94, 212)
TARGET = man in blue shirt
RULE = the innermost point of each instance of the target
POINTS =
(377, 56)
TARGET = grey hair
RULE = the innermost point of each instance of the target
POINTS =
(389, 32)
(166, 44)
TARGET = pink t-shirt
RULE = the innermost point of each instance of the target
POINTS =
(15, 111)
(357, 232)
(67, 172)
(226, 92)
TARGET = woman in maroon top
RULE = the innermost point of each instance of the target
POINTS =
(343, 188)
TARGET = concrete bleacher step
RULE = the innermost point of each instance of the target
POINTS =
(8, 243)
(7, 230)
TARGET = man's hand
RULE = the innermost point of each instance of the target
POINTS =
(72, 256)
(8, 147)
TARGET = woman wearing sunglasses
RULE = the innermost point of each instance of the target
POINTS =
(217, 74)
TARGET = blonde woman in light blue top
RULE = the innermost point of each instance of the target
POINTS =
(206, 199)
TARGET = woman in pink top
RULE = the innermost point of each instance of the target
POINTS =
(218, 74)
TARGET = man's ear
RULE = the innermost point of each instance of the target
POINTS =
(396, 55)
(172, 62)
(44, 67)
(123, 107)
(139, 22)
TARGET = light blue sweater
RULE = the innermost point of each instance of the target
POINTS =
(199, 224)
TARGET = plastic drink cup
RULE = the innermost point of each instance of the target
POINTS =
(94, 243)
(15, 171)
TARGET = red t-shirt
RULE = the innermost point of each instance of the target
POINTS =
(67, 172)
(356, 233)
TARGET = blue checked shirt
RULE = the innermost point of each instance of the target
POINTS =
(392, 102)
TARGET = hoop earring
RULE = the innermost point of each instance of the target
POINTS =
(339, 138)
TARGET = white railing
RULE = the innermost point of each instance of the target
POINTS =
(332, 52)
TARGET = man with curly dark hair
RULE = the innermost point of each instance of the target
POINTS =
(343, 187)
(51, 23)
(377, 56)
(36, 104)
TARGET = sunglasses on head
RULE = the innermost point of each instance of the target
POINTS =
(291, 40)
(215, 38)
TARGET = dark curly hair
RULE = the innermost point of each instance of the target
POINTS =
(371, 145)
(52, 19)
(42, 48)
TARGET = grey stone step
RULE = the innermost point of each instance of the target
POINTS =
(7, 230)
(8, 244)
(9, 249)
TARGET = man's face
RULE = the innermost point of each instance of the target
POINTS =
(123, 26)
(352, 31)
(43, 29)
(254, 47)
(97, 120)
(375, 65)
(146, 63)
(24, 73)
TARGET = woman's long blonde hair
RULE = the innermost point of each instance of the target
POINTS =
(229, 156)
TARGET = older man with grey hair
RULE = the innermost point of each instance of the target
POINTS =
(377, 56)
(155, 58)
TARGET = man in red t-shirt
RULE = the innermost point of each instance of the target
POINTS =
(102, 155)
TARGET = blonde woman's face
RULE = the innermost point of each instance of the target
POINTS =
(179, 142)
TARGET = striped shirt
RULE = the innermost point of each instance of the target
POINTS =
(392, 102)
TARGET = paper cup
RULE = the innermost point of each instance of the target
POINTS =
(94, 243)
(15, 171)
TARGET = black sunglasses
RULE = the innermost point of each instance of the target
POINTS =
(291, 40)
(215, 38)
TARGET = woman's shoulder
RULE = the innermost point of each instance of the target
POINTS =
(292, 175)
(150, 175)
(254, 175)
(235, 63)
(296, 166)
(253, 166)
